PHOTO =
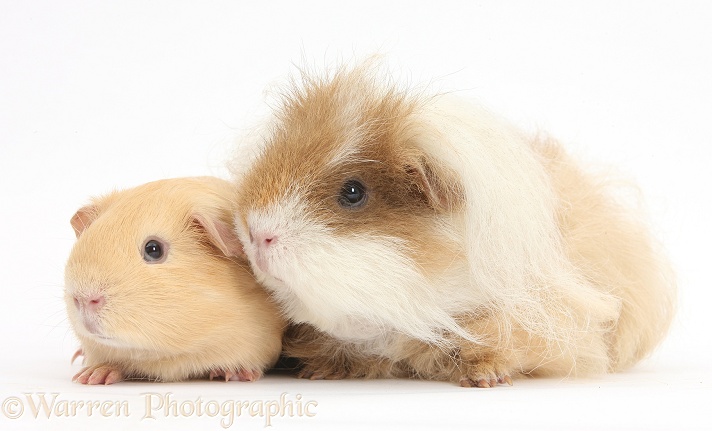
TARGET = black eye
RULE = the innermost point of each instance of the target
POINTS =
(153, 251)
(352, 195)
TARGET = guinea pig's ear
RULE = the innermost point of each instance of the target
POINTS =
(441, 187)
(221, 235)
(87, 214)
(83, 218)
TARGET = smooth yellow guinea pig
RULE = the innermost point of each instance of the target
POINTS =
(156, 287)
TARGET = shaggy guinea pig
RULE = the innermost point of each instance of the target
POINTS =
(157, 288)
(422, 236)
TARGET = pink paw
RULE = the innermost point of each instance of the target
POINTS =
(103, 374)
(239, 376)
(485, 374)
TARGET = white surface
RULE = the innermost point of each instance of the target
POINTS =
(97, 95)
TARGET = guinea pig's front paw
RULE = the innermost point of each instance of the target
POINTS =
(102, 374)
(243, 375)
(323, 374)
(339, 369)
(485, 375)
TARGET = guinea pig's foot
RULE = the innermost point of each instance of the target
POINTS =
(485, 382)
(103, 374)
(243, 375)
(485, 375)
(310, 374)
(248, 375)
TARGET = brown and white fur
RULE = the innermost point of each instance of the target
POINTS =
(197, 313)
(479, 254)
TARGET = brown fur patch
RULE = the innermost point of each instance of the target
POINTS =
(348, 114)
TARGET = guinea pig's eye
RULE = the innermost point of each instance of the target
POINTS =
(353, 194)
(154, 251)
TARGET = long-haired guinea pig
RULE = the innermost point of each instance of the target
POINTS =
(157, 288)
(425, 237)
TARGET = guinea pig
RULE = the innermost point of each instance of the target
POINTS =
(414, 235)
(157, 287)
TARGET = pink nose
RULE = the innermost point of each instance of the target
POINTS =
(91, 303)
(263, 239)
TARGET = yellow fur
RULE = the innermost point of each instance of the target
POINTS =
(197, 312)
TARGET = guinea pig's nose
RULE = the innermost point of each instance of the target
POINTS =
(91, 303)
(263, 239)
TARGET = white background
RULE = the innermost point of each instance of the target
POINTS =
(98, 95)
